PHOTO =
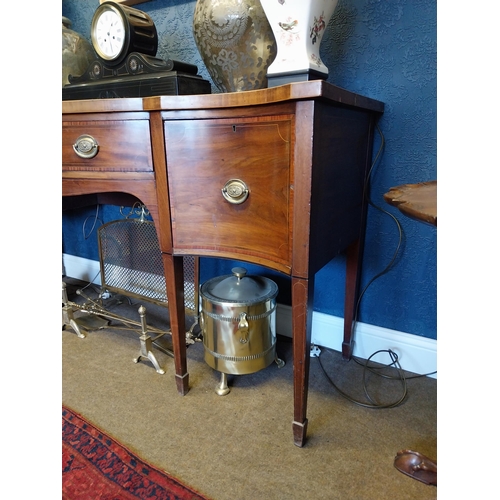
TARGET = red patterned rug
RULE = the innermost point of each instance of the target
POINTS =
(95, 466)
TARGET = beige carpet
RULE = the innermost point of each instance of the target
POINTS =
(240, 446)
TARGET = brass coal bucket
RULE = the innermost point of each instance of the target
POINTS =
(238, 320)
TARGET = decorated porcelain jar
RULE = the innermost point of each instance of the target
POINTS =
(235, 42)
(298, 26)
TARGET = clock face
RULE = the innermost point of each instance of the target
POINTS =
(118, 30)
(109, 33)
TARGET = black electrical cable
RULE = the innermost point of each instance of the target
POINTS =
(96, 218)
(91, 283)
(374, 369)
(372, 404)
(398, 225)
(86, 237)
(394, 357)
(400, 231)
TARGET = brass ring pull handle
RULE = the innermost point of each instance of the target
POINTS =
(243, 328)
(235, 191)
(86, 146)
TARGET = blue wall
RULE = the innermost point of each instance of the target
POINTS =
(384, 49)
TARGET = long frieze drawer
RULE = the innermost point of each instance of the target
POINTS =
(107, 146)
(230, 186)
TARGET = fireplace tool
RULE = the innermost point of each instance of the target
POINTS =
(96, 310)
(131, 265)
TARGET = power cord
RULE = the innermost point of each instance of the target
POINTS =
(380, 209)
(374, 369)
(91, 283)
(372, 404)
(394, 357)
(96, 218)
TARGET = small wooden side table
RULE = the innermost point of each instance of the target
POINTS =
(418, 201)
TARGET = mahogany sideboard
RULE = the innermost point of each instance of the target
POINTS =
(274, 177)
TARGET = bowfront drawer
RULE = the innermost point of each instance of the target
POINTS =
(121, 144)
(230, 187)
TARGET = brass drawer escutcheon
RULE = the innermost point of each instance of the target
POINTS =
(86, 146)
(235, 191)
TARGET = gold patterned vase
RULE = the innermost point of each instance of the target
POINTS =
(77, 53)
(235, 41)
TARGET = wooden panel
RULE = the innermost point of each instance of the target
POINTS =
(314, 89)
(145, 191)
(160, 165)
(102, 106)
(124, 145)
(202, 156)
(341, 150)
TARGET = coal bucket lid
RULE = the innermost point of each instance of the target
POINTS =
(240, 288)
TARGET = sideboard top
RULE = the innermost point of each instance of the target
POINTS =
(314, 89)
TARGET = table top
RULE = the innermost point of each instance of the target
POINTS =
(418, 201)
(314, 89)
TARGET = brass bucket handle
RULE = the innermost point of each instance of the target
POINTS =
(243, 327)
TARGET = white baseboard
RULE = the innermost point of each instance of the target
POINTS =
(81, 269)
(416, 354)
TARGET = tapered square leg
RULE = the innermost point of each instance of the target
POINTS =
(302, 297)
(354, 255)
(174, 276)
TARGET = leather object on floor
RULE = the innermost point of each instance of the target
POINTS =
(417, 466)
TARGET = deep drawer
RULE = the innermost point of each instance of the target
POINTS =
(203, 156)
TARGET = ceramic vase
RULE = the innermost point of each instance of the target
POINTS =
(235, 41)
(77, 53)
(298, 27)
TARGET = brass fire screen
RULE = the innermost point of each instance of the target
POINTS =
(131, 263)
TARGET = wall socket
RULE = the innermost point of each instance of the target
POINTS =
(315, 351)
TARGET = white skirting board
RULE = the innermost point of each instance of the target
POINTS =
(81, 269)
(416, 354)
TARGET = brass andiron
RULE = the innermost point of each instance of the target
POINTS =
(82, 323)
(68, 316)
(98, 317)
(147, 343)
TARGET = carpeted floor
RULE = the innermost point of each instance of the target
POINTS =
(239, 446)
(95, 467)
